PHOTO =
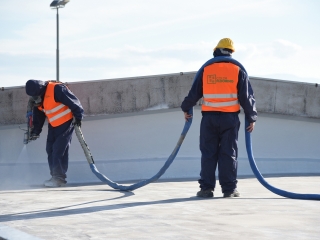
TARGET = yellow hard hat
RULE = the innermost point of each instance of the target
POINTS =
(225, 43)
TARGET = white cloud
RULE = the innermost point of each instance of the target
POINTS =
(281, 58)
(285, 49)
(131, 61)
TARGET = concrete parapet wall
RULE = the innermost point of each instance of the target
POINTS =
(134, 146)
(165, 91)
(285, 97)
(108, 96)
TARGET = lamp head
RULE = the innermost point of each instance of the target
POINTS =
(59, 3)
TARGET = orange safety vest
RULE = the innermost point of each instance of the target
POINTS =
(56, 112)
(220, 91)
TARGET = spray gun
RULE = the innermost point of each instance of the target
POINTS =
(27, 134)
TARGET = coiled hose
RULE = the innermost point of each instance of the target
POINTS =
(170, 159)
(174, 153)
(264, 182)
(142, 183)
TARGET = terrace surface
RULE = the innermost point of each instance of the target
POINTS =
(161, 210)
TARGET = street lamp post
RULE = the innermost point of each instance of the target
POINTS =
(56, 4)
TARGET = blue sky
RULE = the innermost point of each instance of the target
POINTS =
(102, 39)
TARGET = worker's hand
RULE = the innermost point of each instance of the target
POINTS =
(77, 122)
(251, 127)
(34, 136)
(29, 114)
(187, 116)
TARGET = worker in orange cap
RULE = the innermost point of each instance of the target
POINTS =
(224, 87)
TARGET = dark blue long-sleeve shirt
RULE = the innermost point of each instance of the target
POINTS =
(61, 94)
(245, 95)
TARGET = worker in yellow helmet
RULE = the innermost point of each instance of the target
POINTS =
(224, 85)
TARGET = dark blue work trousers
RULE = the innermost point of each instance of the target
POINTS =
(219, 146)
(58, 143)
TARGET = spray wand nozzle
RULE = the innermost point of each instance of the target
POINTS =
(27, 134)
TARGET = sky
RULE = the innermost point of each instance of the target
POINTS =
(103, 39)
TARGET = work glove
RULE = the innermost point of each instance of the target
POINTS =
(29, 114)
(33, 136)
(77, 122)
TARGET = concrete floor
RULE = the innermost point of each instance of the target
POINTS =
(161, 210)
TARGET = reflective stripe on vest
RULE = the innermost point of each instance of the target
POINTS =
(57, 113)
(220, 104)
(220, 91)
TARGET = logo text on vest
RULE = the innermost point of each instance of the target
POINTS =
(213, 79)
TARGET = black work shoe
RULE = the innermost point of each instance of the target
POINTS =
(205, 193)
(235, 193)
